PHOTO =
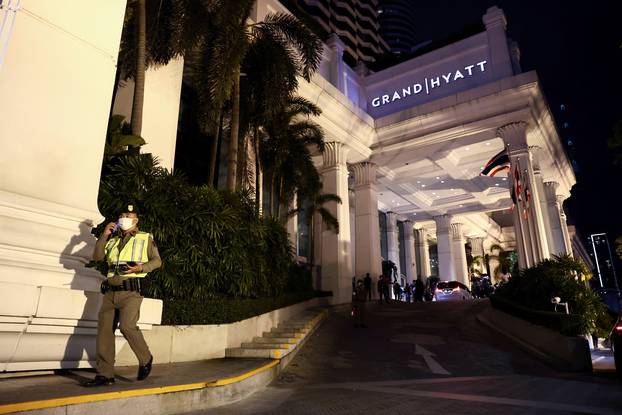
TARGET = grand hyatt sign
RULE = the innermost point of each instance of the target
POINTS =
(429, 84)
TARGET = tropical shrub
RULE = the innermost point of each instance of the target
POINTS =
(212, 242)
(564, 277)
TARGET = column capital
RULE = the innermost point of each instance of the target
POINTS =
(335, 154)
(364, 173)
(421, 235)
(550, 190)
(536, 155)
(443, 223)
(514, 136)
(335, 44)
(456, 231)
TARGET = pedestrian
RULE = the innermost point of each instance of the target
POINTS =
(419, 290)
(131, 255)
(358, 305)
(408, 292)
(380, 286)
(386, 287)
(367, 284)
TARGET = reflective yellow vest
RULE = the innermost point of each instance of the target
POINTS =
(134, 250)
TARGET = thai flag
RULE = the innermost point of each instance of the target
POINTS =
(497, 164)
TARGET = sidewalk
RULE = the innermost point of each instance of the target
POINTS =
(171, 388)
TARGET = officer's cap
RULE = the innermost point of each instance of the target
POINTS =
(130, 208)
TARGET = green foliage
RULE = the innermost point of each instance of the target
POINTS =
(223, 310)
(119, 139)
(212, 242)
(564, 277)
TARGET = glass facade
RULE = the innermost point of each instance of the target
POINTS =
(384, 251)
(401, 243)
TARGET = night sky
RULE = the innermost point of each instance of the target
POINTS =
(574, 47)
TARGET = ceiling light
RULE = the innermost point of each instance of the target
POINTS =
(467, 148)
(461, 205)
(437, 177)
(442, 181)
(504, 179)
(487, 144)
(496, 184)
(423, 185)
(452, 189)
(414, 214)
(418, 181)
(433, 193)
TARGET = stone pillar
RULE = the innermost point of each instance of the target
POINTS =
(501, 63)
(477, 251)
(337, 48)
(409, 252)
(57, 82)
(556, 234)
(538, 202)
(564, 223)
(160, 110)
(530, 237)
(446, 267)
(367, 244)
(292, 227)
(393, 247)
(460, 262)
(424, 253)
(336, 249)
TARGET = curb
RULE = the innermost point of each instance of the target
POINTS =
(168, 399)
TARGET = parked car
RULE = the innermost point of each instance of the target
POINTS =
(451, 290)
(616, 345)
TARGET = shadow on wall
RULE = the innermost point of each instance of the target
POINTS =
(85, 298)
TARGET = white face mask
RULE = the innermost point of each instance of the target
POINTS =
(126, 223)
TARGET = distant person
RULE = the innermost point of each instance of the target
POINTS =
(408, 292)
(358, 305)
(367, 284)
(386, 287)
(380, 286)
(419, 290)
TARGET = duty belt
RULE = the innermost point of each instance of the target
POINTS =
(130, 284)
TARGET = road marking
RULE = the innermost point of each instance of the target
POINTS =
(407, 382)
(487, 399)
(433, 365)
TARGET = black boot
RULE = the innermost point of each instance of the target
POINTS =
(98, 381)
(143, 371)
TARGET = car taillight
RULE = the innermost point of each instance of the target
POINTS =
(618, 328)
(438, 290)
(456, 289)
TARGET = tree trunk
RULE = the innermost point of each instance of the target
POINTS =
(139, 76)
(258, 174)
(232, 160)
(211, 181)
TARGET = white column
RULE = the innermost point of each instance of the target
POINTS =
(446, 268)
(538, 204)
(424, 253)
(160, 110)
(556, 231)
(460, 262)
(337, 47)
(292, 227)
(530, 237)
(564, 223)
(393, 247)
(57, 82)
(409, 252)
(336, 249)
(477, 251)
(367, 227)
(501, 64)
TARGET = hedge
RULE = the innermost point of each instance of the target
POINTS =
(567, 324)
(224, 310)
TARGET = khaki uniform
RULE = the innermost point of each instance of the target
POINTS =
(122, 309)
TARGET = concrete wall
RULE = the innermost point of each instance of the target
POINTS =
(171, 344)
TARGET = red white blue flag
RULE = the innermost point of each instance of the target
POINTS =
(497, 164)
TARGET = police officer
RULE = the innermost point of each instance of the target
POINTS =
(131, 254)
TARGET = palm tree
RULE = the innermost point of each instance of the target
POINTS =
(294, 43)
(285, 153)
(155, 32)
(502, 256)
